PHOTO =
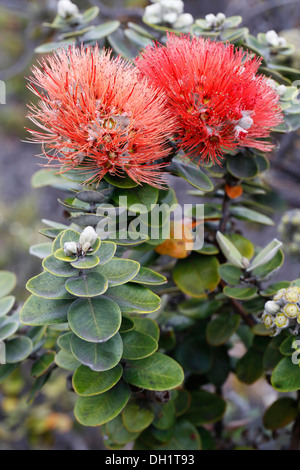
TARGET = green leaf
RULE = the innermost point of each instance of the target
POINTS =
(66, 361)
(87, 382)
(120, 181)
(286, 376)
(242, 166)
(230, 273)
(42, 364)
(69, 236)
(265, 255)
(242, 244)
(137, 416)
(48, 286)
(220, 329)
(138, 200)
(250, 367)
(98, 356)
(90, 284)
(60, 255)
(90, 14)
(58, 268)
(6, 304)
(281, 413)
(240, 293)
(119, 271)
(266, 269)
(99, 409)
(101, 31)
(118, 433)
(147, 326)
(182, 402)
(64, 341)
(37, 311)
(286, 347)
(126, 325)
(137, 38)
(191, 173)
(18, 349)
(194, 355)
(199, 309)
(244, 213)
(7, 282)
(134, 298)
(157, 372)
(185, 437)
(95, 320)
(138, 345)
(205, 408)
(106, 252)
(52, 46)
(229, 250)
(86, 262)
(196, 274)
(46, 177)
(8, 329)
(164, 415)
(149, 277)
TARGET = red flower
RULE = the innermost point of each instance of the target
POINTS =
(96, 114)
(220, 103)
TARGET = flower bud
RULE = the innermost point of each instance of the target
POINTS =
(281, 321)
(70, 248)
(272, 307)
(170, 17)
(88, 236)
(245, 262)
(211, 20)
(66, 8)
(86, 247)
(186, 19)
(220, 18)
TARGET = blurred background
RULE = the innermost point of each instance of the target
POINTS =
(50, 425)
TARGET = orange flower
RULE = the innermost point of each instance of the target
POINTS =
(97, 115)
(214, 92)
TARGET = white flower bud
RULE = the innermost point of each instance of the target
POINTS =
(245, 262)
(274, 40)
(281, 89)
(88, 236)
(70, 248)
(169, 18)
(186, 19)
(211, 20)
(86, 247)
(220, 18)
(66, 8)
(153, 10)
(175, 6)
(272, 307)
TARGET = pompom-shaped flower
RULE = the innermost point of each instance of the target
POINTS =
(96, 115)
(213, 90)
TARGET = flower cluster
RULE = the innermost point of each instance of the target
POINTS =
(214, 92)
(274, 40)
(97, 115)
(215, 21)
(283, 311)
(169, 12)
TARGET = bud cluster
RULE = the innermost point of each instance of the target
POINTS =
(283, 311)
(169, 12)
(86, 241)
